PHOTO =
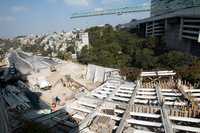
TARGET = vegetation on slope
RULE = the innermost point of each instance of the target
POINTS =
(120, 49)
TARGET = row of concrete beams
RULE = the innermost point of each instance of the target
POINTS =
(185, 119)
(82, 109)
(104, 90)
(172, 97)
(180, 119)
(121, 120)
(177, 127)
(143, 95)
(195, 93)
(172, 94)
(148, 115)
(185, 128)
(146, 89)
(158, 73)
(136, 122)
(123, 95)
(92, 105)
(168, 90)
(150, 92)
(141, 131)
(77, 116)
(144, 123)
(83, 106)
(175, 103)
(146, 95)
(187, 96)
(110, 91)
(122, 99)
(118, 95)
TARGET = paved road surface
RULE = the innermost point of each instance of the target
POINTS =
(20, 65)
(38, 62)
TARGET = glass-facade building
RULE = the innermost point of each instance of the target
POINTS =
(159, 7)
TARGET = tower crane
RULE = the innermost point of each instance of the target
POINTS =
(115, 11)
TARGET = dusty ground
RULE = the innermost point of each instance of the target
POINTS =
(75, 70)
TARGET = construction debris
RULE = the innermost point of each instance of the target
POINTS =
(16, 99)
(102, 124)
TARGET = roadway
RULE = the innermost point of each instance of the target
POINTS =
(20, 65)
(37, 62)
(26, 63)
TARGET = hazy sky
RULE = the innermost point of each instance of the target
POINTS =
(22, 17)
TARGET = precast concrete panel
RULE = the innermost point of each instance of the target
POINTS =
(91, 69)
(99, 74)
(107, 73)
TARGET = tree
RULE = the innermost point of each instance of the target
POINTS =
(175, 60)
(130, 73)
(84, 56)
(145, 59)
(64, 55)
(190, 73)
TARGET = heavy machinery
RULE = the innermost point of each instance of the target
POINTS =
(52, 68)
(12, 69)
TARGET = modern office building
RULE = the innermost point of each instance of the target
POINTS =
(159, 7)
(177, 21)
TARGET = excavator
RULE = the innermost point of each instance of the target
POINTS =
(52, 68)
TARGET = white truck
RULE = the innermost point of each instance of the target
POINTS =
(43, 84)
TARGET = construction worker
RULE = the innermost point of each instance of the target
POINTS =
(53, 107)
(57, 99)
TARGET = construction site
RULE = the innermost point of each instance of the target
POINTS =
(61, 96)
(94, 99)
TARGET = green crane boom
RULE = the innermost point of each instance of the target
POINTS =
(117, 11)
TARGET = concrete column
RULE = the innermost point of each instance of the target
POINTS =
(181, 28)
(166, 25)
(153, 28)
(146, 30)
